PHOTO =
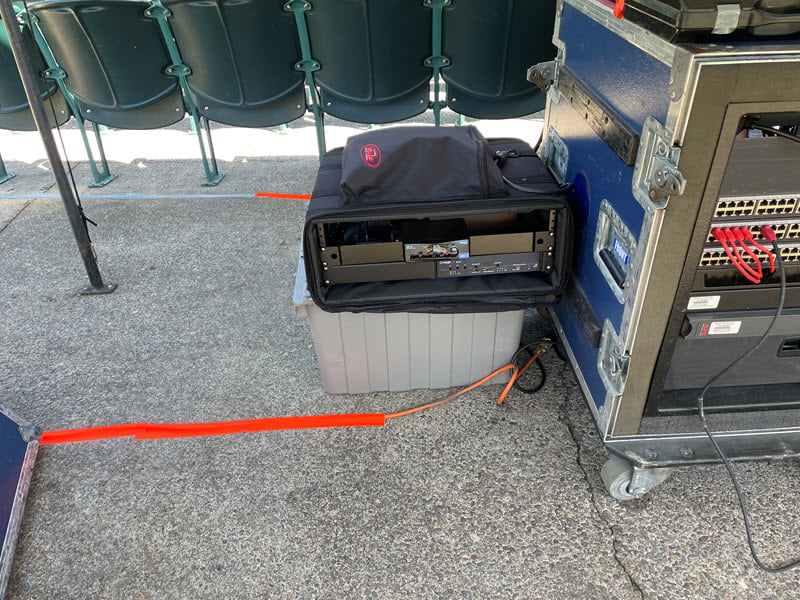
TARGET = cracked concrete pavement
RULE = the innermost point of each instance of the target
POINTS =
(468, 500)
(613, 530)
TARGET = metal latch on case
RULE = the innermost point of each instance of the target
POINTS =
(543, 74)
(612, 360)
(656, 176)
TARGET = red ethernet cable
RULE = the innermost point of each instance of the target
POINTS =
(729, 235)
(739, 237)
(722, 239)
(768, 234)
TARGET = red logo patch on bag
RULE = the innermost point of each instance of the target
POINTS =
(371, 155)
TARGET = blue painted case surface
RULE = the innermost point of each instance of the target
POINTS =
(12, 457)
(636, 85)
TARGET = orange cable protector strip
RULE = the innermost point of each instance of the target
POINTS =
(149, 431)
(284, 196)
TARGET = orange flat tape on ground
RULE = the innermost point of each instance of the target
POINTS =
(284, 196)
(149, 431)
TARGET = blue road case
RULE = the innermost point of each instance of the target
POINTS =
(19, 444)
(643, 130)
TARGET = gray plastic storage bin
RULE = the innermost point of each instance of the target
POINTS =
(375, 352)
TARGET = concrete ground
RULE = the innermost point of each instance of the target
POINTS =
(465, 501)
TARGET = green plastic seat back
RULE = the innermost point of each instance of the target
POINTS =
(372, 58)
(491, 44)
(242, 54)
(114, 59)
(15, 114)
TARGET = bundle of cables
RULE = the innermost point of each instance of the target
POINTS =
(729, 237)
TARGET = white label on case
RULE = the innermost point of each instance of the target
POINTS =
(703, 302)
(724, 327)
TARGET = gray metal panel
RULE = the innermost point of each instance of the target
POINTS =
(705, 350)
(381, 272)
(755, 161)
(419, 349)
(442, 351)
(377, 351)
(497, 244)
(738, 421)
(397, 349)
(695, 448)
(372, 253)
(355, 352)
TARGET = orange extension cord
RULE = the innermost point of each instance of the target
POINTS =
(150, 431)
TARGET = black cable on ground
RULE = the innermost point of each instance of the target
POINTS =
(542, 378)
(723, 458)
(530, 349)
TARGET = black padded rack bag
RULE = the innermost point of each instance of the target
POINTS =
(706, 20)
(420, 174)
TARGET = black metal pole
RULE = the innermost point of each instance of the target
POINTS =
(29, 82)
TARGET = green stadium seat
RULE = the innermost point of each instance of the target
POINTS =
(490, 45)
(114, 61)
(119, 61)
(372, 58)
(15, 112)
(241, 56)
(142, 64)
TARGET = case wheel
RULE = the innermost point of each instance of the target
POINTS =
(616, 475)
(625, 481)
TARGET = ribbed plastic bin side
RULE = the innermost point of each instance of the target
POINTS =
(375, 352)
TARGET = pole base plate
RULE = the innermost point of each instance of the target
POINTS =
(90, 290)
(103, 179)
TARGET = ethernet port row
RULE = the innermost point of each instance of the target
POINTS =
(713, 257)
(784, 231)
(734, 208)
(777, 206)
